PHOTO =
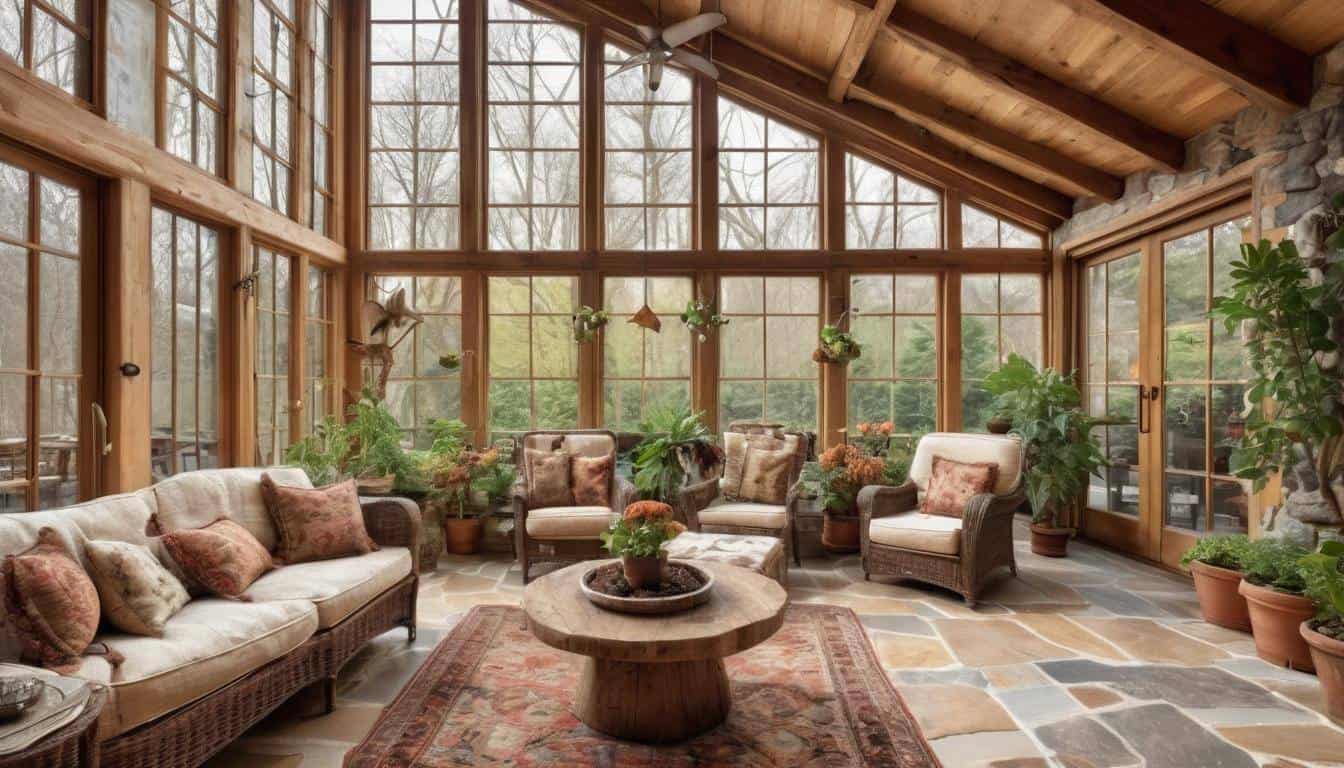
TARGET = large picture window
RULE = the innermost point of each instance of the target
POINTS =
(192, 82)
(765, 352)
(534, 360)
(273, 37)
(319, 382)
(184, 361)
(980, 229)
(648, 140)
(532, 92)
(1000, 316)
(895, 319)
(273, 402)
(414, 116)
(886, 210)
(768, 188)
(644, 372)
(53, 39)
(421, 390)
(319, 94)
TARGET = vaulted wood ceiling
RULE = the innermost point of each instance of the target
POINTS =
(1069, 95)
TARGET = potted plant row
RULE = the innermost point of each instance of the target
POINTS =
(1274, 589)
(1323, 573)
(1215, 563)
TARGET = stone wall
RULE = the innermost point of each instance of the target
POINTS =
(1300, 160)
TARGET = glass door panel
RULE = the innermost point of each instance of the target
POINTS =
(1112, 379)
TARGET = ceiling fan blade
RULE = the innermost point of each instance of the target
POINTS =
(646, 33)
(692, 28)
(696, 62)
(631, 63)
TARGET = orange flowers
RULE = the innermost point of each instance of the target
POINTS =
(867, 428)
(647, 510)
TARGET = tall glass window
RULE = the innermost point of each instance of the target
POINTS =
(769, 196)
(766, 370)
(980, 229)
(642, 371)
(53, 39)
(319, 94)
(273, 36)
(1000, 316)
(272, 355)
(319, 380)
(193, 81)
(1111, 290)
(534, 360)
(886, 210)
(895, 318)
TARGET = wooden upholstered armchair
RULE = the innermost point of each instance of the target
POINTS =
(564, 534)
(706, 506)
(957, 553)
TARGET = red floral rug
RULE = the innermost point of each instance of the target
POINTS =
(491, 693)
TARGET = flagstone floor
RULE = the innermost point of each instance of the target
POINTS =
(1091, 661)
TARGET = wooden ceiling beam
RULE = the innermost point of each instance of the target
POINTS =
(861, 36)
(1259, 66)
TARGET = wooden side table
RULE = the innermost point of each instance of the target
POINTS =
(73, 745)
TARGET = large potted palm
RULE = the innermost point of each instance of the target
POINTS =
(1059, 449)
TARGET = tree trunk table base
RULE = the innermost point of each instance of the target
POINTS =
(656, 703)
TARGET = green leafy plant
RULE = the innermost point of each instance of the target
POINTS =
(1227, 551)
(700, 318)
(1059, 448)
(640, 535)
(375, 445)
(669, 432)
(1275, 563)
(1289, 319)
(450, 361)
(835, 346)
(1323, 573)
(496, 481)
(322, 453)
(587, 322)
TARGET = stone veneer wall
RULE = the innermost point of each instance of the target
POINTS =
(1302, 158)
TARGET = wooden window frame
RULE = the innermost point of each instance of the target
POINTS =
(283, 413)
(326, 319)
(289, 92)
(85, 29)
(998, 316)
(999, 222)
(670, 324)
(320, 195)
(895, 204)
(940, 339)
(199, 99)
(765, 205)
(531, 379)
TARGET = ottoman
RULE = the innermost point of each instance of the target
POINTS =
(762, 554)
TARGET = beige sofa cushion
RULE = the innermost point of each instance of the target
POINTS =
(205, 646)
(337, 587)
(746, 513)
(124, 517)
(197, 499)
(1003, 450)
(915, 530)
(568, 522)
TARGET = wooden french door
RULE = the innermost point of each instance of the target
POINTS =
(1172, 380)
(49, 426)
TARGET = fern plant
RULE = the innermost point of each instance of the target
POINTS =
(658, 470)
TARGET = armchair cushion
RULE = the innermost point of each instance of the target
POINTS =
(568, 522)
(548, 474)
(952, 483)
(915, 530)
(590, 480)
(735, 445)
(337, 587)
(765, 476)
(1006, 451)
(746, 514)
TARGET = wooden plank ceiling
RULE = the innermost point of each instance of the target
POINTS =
(1072, 95)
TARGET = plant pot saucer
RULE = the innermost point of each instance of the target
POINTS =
(649, 606)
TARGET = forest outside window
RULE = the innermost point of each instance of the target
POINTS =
(273, 36)
(1000, 316)
(414, 117)
(420, 389)
(184, 359)
(322, 75)
(532, 92)
(644, 372)
(980, 229)
(895, 319)
(191, 82)
(273, 296)
(885, 210)
(766, 370)
(648, 140)
(319, 328)
(52, 39)
(768, 188)
(534, 360)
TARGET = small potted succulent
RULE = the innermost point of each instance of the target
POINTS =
(1215, 562)
(1273, 587)
(638, 537)
(587, 322)
(1325, 633)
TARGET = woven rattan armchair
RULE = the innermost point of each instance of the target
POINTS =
(960, 554)
(564, 535)
(703, 506)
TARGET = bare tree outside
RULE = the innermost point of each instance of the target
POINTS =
(765, 352)
(59, 49)
(643, 371)
(273, 108)
(769, 195)
(193, 110)
(886, 210)
(420, 390)
(980, 229)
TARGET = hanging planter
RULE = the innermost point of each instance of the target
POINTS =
(450, 361)
(835, 345)
(587, 322)
(700, 318)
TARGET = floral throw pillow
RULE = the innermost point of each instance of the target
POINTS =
(50, 602)
(138, 594)
(735, 447)
(765, 476)
(591, 481)
(223, 557)
(548, 479)
(953, 483)
(316, 523)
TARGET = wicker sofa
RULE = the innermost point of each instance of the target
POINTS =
(222, 665)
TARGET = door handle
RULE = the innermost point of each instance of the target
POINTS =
(100, 430)
(1147, 396)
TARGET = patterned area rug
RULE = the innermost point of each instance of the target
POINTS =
(491, 693)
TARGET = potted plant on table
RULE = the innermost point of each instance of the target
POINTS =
(1324, 634)
(1059, 450)
(638, 537)
(839, 474)
(1274, 588)
(1216, 564)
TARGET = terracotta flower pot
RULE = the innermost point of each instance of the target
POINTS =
(1219, 601)
(1328, 655)
(644, 572)
(840, 533)
(463, 535)
(1275, 621)
(1050, 542)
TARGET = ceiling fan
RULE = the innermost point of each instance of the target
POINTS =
(663, 45)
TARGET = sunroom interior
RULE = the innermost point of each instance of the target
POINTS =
(734, 249)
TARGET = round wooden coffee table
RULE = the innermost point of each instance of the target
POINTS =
(655, 679)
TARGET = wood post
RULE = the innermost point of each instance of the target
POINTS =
(127, 336)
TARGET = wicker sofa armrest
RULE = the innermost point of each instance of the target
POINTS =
(695, 497)
(986, 508)
(875, 501)
(393, 521)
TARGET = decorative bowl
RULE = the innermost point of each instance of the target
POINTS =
(649, 606)
(18, 694)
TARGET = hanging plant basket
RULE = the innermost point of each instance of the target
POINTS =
(588, 322)
(701, 319)
(836, 347)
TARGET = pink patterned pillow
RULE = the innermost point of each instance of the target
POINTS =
(590, 480)
(223, 556)
(953, 483)
(316, 523)
(51, 602)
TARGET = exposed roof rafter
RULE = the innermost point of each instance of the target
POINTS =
(861, 36)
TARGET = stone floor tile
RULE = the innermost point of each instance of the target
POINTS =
(1082, 741)
(994, 642)
(1095, 696)
(1070, 634)
(1039, 705)
(1183, 686)
(1120, 602)
(1259, 668)
(984, 748)
(457, 583)
(1234, 716)
(905, 652)
(949, 710)
(1302, 742)
(1166, 738)
(1019, 762)
(1183, 606)
(1209, 633)
(860, 604)
(1030, 589)
(906, 625)
(1149, 641)
(1305, 694)
(235, 756)
(960, 676)
(1014, 676)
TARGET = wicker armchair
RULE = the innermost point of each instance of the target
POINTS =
(703, 506)
(957, 553)
(564, 535)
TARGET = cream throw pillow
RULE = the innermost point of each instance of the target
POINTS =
(138, 594)
(765, 476)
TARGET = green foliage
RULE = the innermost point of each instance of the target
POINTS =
(322, 453)
(638, 538)
(1291, 319)
(1057, 439)
(836, 346)
(367, 444)
(700, 317)
(496, 481)
(658, 472)
(1323, 572)
(1275, 563)
(587, 322)
(448, 436)
(1219, 551)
